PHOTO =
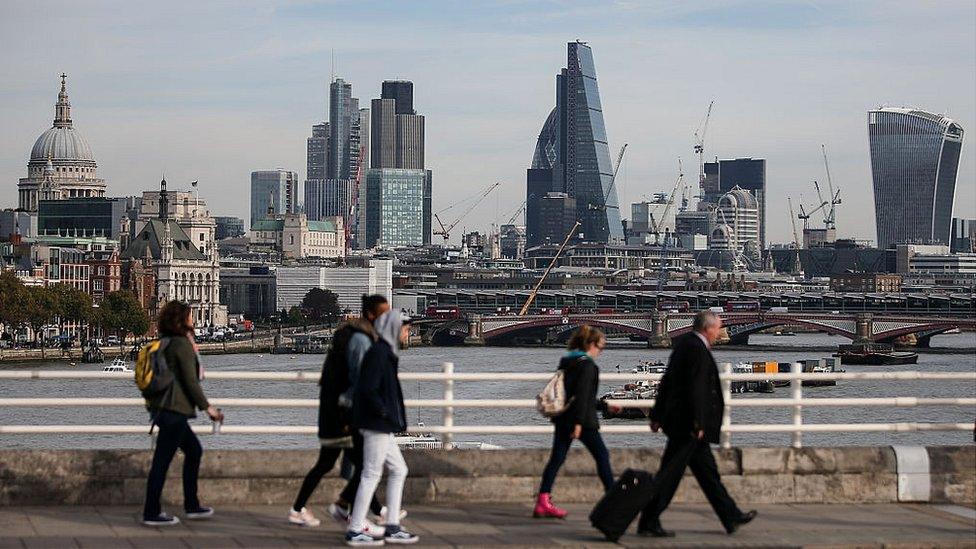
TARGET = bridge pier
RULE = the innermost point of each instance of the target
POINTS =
(474, 331)
(863, 328)
(659, 327)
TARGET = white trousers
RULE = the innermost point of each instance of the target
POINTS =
(379, 450)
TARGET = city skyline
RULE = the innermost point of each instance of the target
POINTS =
(215, 116)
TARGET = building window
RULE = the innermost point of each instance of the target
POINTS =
(97, 285)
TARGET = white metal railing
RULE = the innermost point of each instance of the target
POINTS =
(448, 404)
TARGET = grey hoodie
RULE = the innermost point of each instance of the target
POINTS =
(388, 329)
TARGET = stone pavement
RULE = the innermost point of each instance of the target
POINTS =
(472, 525)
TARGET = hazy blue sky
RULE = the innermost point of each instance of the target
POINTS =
(214, 90)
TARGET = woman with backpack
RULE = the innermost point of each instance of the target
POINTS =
(170, 411)
(581, 378)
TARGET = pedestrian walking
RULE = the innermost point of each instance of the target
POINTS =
(378, 413)
(340, 373)
(689, 409)
(581, 378)
(170, 412)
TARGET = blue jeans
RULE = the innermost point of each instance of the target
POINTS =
(561, 441)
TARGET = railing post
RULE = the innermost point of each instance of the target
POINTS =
(796, 384)
(726, 437)
(447, 439)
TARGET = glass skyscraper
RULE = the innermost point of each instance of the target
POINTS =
(274, 189)
(914, 162)
(572, 155)
(395, 207)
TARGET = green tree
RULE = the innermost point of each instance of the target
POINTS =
(122, 314)
(75, 305)
(296, 316)
(321, 305)
(13, 302)
(43, 308)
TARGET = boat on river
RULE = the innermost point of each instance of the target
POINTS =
(874, 354)
(119, 365)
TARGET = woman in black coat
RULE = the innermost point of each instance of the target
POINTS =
(579, 421)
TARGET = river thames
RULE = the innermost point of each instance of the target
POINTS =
(501, 359)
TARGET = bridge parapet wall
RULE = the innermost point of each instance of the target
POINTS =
(272, 477)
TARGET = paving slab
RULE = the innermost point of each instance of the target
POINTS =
(508, 525)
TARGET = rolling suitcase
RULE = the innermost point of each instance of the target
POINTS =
(621, 505)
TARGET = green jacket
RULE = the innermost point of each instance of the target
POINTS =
(185, 395)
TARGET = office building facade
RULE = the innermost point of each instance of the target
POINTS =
(572, 155)
(914, 163)
(274, 189)
(395, 207)
(749, 174)
(228, 227)
(400, 91)
(962, 236)
(343, 126)
(82, 217)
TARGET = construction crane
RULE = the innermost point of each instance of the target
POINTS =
(656, 229)
(806, 215)
(555, 259)
(796, 237)
(518, 212)
(613, 179)
(830, 215)
(700, 146)
(445, 230)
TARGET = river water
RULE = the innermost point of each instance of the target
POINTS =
(496, 359)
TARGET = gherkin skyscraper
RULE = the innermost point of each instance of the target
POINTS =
(572, 159)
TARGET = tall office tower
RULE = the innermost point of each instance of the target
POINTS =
(395, 207)
(364, 130)
(400, 91)
(738, 224)
(343, 116)
(572, 155)
(316, 169)
(914, 163)
(722, 176)
(410, 141)
(383, 134)
(277, 189)
(428, 205)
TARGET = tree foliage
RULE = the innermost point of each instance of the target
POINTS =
(121, 313)
(321, 305)
(14, 306)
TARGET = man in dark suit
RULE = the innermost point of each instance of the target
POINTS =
(689, 408)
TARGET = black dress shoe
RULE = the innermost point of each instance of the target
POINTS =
(744, 518)
(655, 531)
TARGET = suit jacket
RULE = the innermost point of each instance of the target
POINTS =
(690, 396)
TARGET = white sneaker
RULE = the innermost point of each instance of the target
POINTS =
(303, 518)
(374, 530)
(361, 539)
(339, 513)
(381, 518)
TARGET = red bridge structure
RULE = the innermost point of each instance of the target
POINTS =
(660, 327)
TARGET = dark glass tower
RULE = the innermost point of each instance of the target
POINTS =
(914, 161)
(400, 91)
(572, 155)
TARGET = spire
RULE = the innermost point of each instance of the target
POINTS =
(62, 111)
(163, 201)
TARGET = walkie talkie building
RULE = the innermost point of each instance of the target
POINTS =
(914, 161)
(572, 155)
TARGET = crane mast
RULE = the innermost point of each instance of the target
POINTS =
(555, 258)
(830, 216)
(445, 230)
(700, 147)
(613, 179)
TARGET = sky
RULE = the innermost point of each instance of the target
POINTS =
(211, 91)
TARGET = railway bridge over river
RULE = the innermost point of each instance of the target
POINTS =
(658, 328)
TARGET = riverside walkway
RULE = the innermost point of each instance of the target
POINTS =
(485, 524)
